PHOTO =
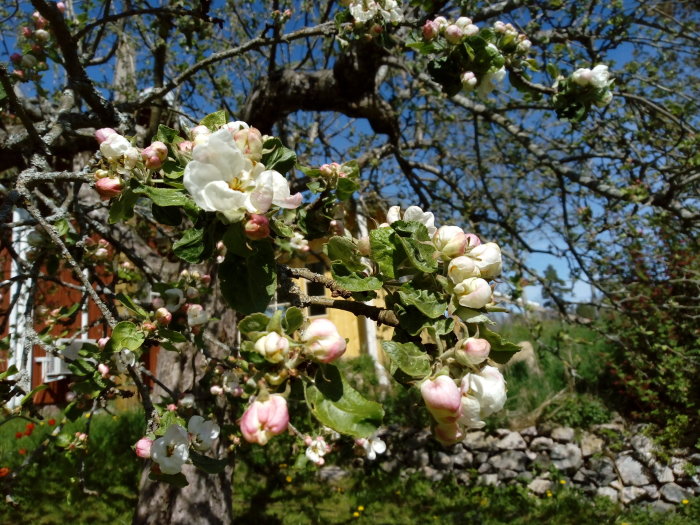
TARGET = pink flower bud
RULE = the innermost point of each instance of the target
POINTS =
(462, 268)
(443, 398)
(265, 419)
(448, 433)
(469, 80)
(441, 22)
(453, 34)
(185, 146)
(102, 342)
(148, 326)
(430, 30)
(487, 258)
(450, 241)
(26, 32)
(163, 316)
(16, 58)
(216, 390)
(39, 21)
(206, 279)
(472, 241)
(172, 407)
(473, 351)
(273, 347)
(61, 7)
(18, 73)
(103, 369)
(109, 187)
(143, 447)
(376, 29)
(102, 134)
(249, 141)
(154, 155)
(257, 227)
(323, 342)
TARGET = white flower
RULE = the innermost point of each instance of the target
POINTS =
(172, 450)
(582, 76)
(114, 146)
(462, 268)
(365, 10)
(600, 76)
(299, 243)
(372, 447)
(450, 241)
(203, 432)
(317, 448)
(488, 387)
(220, 178)
(414, 214)
(471, 413)
(273, 347)
(487, 258)
(196, 315)
(473, 292)
(489, 81)
(123, 359)
(174, 298)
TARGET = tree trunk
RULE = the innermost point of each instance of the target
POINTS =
(208, 499)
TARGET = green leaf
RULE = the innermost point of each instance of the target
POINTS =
(9, 372)
(428, 302)
(207, 464)
(126, 335)
(172, 335)
(169, 197)
(410, 359)
(501, 350)
(276, 157)
(339, 406)
(414, 239)
(293, 319)
(281, 228)
(345, 188)
(249, 283)
(253, 323)
(190, 247)
(414, 322)
(165, 134)
(383, 251)
(129, 303)
(178, 480)
(215, 120)
(123, 208)
(343, 250)
(354, 281)
(32, 393)
(168, 215)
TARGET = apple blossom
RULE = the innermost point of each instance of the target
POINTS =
(163, 316)
(249, 141)
(600, 76)
(216, 390)
(154, 155)
(109, 187)
(448, 433)
(488, 387)
(442, 397)
(441, 22)
(472, 350)
(316, 449)
(172, 450)
(203, 432)
(450, 241)
(489, 81)
(102, 342)
(26, 32)
(430, 30)
(298, 242)
(453, 34)
(470, 414)
(365, 10)
(200, 134)
(186, 401)
(469, 80)
(463, 22)
(461, 268)
(114, 146)
(257, 227)
(42, 35)
(473, 292)
(323, 342)
(273, 347)
(16, 58)
(143, 447)
(371, 447)
(29, 61)
(220, 178)
(582, 76)
(61, 7)
(103, 369)
(415, 214)
(185, 146)
(264, 419)
(487, 258)
(196, 315)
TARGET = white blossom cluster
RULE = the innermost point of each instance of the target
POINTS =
(597, 78)
(386, 11)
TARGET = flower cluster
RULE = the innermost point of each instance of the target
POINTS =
(456, 409)
(583, 89)
(32, 61)
(598, 79)
(478, 54)
(172, 450)
(226, 174)
(381, 11)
